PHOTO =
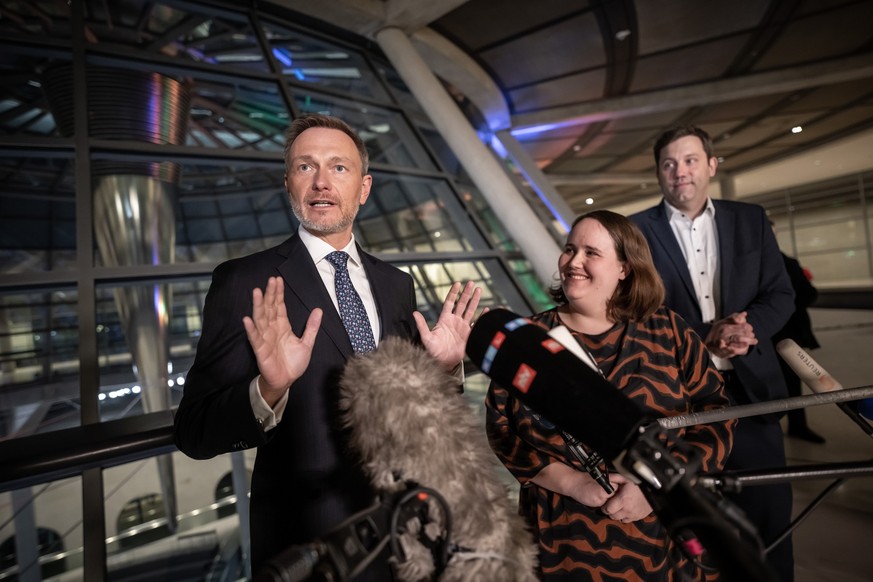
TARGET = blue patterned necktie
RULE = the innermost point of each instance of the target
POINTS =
(351, 307)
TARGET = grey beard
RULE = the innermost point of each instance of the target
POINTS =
(344, 222)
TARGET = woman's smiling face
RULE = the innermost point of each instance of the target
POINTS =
(589, 266)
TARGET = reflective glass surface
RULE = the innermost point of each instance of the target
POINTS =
(39, 362)
(827, 227)
(433, 281)
(38, 18)
(145, 350)
(407, 213)
(389, 138)
(237, 115)
(400, 91)
(23, 109)
(54, 513)
(37, 214)
(307, 59)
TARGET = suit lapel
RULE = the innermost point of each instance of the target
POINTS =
(304, 281)
(382, 289)
(725, 222)
(664, 236)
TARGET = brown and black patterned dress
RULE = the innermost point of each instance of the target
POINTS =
(664, 366)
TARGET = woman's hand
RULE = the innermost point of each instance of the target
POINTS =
(628, 503)
(570, 482)
(589, 492)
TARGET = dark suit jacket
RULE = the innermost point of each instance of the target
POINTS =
(799, 326)
(753, 279)
(305, 481)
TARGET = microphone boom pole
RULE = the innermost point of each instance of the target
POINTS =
(732, 481)
(769, 407)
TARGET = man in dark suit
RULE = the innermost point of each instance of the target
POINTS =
(723, 273)
(268, 361)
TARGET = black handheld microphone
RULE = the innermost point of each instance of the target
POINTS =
(521, 357)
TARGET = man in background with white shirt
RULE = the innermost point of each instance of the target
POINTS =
(724, 275)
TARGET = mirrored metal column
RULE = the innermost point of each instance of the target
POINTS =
(134, 218)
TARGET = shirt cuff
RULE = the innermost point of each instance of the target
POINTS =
(267, 417)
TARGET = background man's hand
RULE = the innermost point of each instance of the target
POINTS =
(731, 336)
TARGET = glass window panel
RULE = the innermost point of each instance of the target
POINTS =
(830, 235)
(849, 267)
(406, 213)
(276, 223)
(37, 214)
(57, 512)
(388, 136)
(138, 102)
(433, 281)
(399, 90)
(180, 31)
(306, 59)
(203, 230)
(135, 516)
(494, 228)
(828, 207)
(230, 205)
(827, 227)
(444, 153)
(530, 282)
(784, 240)
(152, 369)
(23, 108)
(37, 18)
(211, 205)
(237, 115)
(39, 362)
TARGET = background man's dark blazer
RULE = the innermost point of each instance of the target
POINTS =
(304, 481)
(753, 279)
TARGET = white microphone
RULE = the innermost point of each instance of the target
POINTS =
(807, 369)
(818, 380)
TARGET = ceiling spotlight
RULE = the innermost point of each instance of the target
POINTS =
(796, 129)
(622, 34)
(589, 201)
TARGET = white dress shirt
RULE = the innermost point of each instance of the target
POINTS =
(698, 239)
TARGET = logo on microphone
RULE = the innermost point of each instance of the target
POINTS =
(552, 345)
(524, 377)
(491, 351)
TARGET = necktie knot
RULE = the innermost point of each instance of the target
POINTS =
(351, 308)
(339, 260)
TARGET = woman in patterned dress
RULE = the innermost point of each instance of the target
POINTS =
(610, 298)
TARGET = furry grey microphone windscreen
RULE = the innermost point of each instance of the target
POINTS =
(407, 419)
